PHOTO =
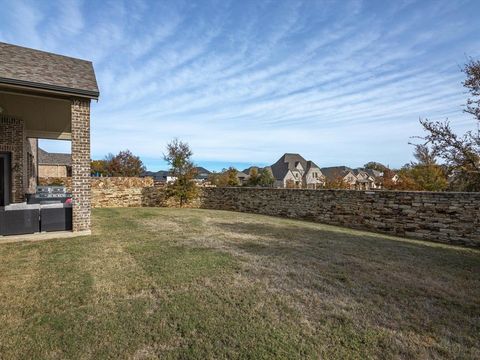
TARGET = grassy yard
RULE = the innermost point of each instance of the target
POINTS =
(178, 283)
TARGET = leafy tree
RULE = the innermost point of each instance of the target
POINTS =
(425, 174)
(461, 153)
(372, 165)
(388, 181)
(228, 177)
(182, 168)
(254, 177)
(99, 168)
(124, 164)
(266, 178)
(231, 176)
(336, 182)
(422, 177)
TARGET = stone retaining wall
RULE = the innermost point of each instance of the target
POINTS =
(437, 216)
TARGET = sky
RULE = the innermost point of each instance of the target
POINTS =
(340, 82)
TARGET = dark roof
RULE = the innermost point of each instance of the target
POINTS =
(247, 170)
(374, 173)
(46, 158)
(289, 161)
(311, 164)
(285, 163)
(157, 175)
(335, 171)
(202, 170)
(42, 70)
(202, 173)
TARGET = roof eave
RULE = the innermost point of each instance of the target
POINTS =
(58, 89)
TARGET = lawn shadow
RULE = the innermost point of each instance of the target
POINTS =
(394, 283)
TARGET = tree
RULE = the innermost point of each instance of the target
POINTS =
(422, 177)
(99, 168)
(232, 178)
(182, 168)
(266, 178)
(228, 177)
(336, 181)
(253, 177)
(461, 153)
(373, 165)
(124, 164)
(388, 181)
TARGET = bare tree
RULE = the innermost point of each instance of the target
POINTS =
(461, 153)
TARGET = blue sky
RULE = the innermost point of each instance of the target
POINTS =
(341, 82)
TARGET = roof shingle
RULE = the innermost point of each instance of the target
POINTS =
(43, 70)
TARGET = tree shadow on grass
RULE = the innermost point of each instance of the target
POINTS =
(399, 284)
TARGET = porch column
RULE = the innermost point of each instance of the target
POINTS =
(81, 164)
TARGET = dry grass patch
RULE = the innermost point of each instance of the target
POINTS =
(178, 283)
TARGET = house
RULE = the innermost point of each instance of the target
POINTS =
(365, 180)
(335, 174)
(292, 170)
(162, 176)
(202, 174)
(54, 164)
(242, 177)
(44, 96)
(165, 176)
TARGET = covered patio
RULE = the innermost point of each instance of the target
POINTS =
(43, 96)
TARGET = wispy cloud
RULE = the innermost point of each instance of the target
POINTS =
(341, 82)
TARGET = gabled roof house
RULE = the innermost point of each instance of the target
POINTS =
(44, 96)
(292, 170)
(56, 165)
(344, 173)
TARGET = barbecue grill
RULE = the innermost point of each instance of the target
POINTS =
(49, 195)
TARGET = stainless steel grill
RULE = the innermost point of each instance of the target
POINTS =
(49, 195)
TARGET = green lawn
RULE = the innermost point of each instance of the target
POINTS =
(178, 283)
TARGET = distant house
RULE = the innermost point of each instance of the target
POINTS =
(292, 170)
(162, 176)
(242, 177)
(365, 181)
(165, 176)
(54, 164)
(340, 173)
(202, 174)
(355, 179)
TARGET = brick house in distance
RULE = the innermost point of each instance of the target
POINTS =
(292, 170)
(56, 165)
(44, 96)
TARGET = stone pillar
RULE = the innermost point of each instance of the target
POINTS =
(80, 109)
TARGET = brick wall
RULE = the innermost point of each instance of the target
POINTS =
(80, 110)
(52, 171)
(12, 142)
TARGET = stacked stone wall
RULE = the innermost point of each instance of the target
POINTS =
(446, 217)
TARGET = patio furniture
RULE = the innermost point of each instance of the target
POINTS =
(17, 219)
(55, 217)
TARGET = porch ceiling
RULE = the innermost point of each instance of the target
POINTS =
(44, 117)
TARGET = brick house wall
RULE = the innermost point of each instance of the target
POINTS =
(12, 142)
(80, 111)
(52, 171)
(30, 165)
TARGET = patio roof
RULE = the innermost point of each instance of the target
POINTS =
(34, 69)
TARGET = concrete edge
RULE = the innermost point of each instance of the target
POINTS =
(43, 236)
